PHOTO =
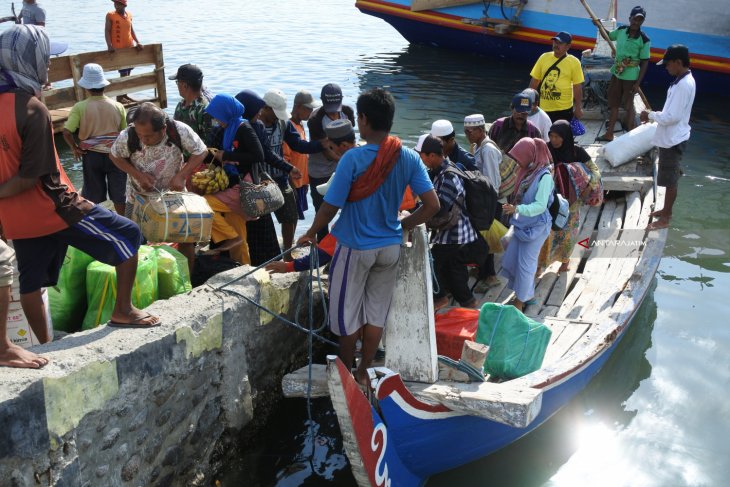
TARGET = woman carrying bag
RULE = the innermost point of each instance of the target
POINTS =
(529, 217)
(578, 179)
(240, 151)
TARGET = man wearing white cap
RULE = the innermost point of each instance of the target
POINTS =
(445, 131)
(273, 130)
(487, 157)
(97, 121)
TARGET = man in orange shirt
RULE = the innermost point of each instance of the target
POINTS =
(119, 32)
(39, 208)
(304, 103)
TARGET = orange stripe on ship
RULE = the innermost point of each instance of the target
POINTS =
(528, 34)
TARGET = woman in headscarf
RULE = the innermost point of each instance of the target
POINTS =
(262, 240)
(576, 176)
(530, 217)
(239, 150)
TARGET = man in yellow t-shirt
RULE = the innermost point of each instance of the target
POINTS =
(558, 77)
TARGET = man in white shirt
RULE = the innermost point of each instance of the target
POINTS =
(537, 115)
(673, 128)
(487, 158)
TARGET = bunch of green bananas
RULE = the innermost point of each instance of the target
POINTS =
(211, 180)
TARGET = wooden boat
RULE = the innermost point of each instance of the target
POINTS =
(417, 423)
(398, 436)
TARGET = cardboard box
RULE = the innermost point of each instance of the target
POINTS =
(19, 331)
(173, 217)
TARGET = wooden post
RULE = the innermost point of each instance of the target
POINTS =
(410, 329)
(76, 70)
(160, 71)
(474, 354)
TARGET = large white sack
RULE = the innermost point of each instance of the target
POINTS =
(632, 144)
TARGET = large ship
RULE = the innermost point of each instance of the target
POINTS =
(521, 30)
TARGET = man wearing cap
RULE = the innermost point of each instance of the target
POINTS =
(304, 104)
(673, 128)
(487, 157)
(506, 131)
(537, 115)
(190, 110)
(273, 130)
(628, 70)
(39, 207)
(340, 136)
(323, 165)
(368, 187)
(97, 121)
(457, 244)
(445, 131)
(558, 77)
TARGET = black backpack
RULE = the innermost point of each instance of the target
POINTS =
(173, 137)
(481, 197)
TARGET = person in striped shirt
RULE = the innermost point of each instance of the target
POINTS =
(455, 242)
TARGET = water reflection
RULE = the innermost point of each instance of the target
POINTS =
(430, 84)
(294, 451)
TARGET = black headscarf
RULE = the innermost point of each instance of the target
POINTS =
(568, 152)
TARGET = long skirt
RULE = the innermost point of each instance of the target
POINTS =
(228, 225)
(519, 264)
(559, 246)
(263, 243)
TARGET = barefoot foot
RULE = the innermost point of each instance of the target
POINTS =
(15, 356)
(659, 224)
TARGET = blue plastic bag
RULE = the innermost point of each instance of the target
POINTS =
(577, 127)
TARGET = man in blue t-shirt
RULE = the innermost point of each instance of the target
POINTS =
(365, 263)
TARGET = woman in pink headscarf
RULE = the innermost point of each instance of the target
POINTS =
(530, 218)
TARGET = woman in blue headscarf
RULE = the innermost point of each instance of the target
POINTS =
(238, 151)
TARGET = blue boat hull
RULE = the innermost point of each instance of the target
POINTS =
(488, 44)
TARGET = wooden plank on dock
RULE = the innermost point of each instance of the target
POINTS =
(597, 265)
(296, 383)
(543, 288)
(565, 280)
(569, 332)
(622, 263)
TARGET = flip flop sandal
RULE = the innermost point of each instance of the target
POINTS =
(138, 323)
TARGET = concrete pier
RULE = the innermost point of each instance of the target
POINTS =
(146, 407)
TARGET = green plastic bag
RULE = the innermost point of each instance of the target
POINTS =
(101, 292)
(173, 273)
(68, 297)
(145, 290)
(101, 287)
(517, 343)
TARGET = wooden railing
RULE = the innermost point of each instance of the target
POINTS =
(64, 68)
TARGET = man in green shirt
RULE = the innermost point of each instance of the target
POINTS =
(190, 110)
(628, 70)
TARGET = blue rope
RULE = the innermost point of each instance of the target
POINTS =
(273, 313)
